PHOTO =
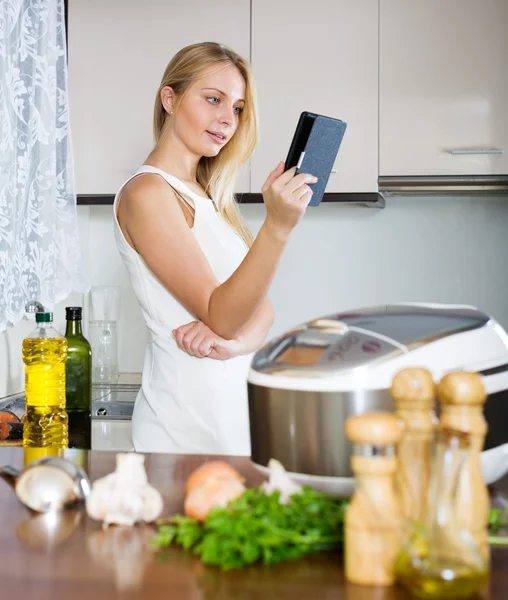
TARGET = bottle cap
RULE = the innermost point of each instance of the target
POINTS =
(73, 313)
(43, 317)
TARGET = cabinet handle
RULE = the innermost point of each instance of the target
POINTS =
(489, 151)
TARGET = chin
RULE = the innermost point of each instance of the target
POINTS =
(210, 152)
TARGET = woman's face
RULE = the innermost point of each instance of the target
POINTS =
(209, 112)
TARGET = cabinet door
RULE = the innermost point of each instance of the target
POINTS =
(118, 51)
(443, 87)
(320, 57)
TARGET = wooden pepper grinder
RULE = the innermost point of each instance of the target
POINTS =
(413, 392)
(373, 520)
(462, 396)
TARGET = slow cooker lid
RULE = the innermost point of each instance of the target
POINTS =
(348, 340)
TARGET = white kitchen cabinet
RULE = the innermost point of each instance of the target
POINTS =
(118, 51)
(443, 87)
(320, 57)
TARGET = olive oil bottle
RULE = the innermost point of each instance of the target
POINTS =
(78, 377)
(44, 355)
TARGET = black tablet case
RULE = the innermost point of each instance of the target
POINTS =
(320, 150)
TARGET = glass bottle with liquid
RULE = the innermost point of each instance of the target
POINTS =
(44, 355)
(441, 560)
(78, 381)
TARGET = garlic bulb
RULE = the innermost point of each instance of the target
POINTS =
(278, 479)
(125, 496)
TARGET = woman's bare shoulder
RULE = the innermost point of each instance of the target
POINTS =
(146, 185)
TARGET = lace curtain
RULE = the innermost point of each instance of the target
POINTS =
(40, 257)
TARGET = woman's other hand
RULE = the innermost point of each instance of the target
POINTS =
(286, 197)
(197, 339)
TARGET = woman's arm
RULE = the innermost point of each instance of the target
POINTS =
(254, 332)
(150, 214)
(197, 339)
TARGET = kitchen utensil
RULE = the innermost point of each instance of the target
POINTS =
(413, 392)
(103, 340)
(461, 397)
(305, 383)
(374, 520)
(48, 484)
(105, 303)
(102, 333)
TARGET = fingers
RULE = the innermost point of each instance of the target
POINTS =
(300, 180)
(201, 345)
(180, 332)
(184, 328)
(215, 355)
(194, 342)
(195, 339)
(306, 197)
(288, 183)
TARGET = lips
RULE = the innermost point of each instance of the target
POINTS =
(217, 137)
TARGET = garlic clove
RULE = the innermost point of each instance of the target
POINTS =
(278, 479)
(152, 506)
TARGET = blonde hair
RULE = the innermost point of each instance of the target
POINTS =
(215, 174)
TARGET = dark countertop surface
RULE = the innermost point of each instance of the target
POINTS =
(83, 561)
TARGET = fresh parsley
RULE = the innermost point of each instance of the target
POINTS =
(256, 527)
(498, 519)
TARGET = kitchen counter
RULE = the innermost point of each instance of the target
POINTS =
(83, 561)
(112, 406)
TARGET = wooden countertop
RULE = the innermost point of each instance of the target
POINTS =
(86, 562)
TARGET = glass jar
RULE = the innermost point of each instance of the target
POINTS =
(103, 339)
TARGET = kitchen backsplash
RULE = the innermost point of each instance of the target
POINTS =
(421, 248)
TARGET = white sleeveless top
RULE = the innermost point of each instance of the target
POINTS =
(187, 404)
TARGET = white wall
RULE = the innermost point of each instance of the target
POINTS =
(435, 249)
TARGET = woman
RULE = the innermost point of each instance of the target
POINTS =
(200, 280)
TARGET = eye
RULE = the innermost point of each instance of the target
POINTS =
(238, 109)
(213, 99)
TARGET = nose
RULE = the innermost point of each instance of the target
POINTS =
(227, 115)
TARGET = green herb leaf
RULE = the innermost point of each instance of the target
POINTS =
(498, 519)
(257, 527)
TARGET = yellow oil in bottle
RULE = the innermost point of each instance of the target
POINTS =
(439, 582)
(441, 560)
(46, 422)
(30, 454)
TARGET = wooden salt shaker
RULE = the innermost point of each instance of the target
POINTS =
(462, 397)
(373, 517)
(413, 392)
